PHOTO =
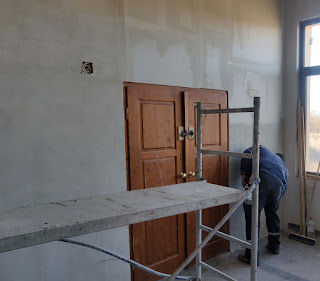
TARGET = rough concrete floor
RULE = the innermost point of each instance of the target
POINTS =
(296, 262)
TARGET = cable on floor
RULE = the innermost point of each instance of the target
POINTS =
(133, 263)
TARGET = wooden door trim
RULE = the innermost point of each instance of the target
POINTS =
(126, 134)
(178, 88)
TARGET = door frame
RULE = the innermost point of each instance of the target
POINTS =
(127, 148)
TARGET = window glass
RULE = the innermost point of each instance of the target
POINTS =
(313, 124)
(312, 45)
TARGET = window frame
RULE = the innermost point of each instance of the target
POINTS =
(306, 71)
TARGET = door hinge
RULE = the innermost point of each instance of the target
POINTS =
(127, 113)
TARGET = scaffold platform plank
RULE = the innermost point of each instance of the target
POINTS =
(29, 226)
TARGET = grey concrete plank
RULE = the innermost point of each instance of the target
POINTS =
(28, 226)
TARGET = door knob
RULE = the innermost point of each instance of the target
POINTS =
(192, 174)
(182, 175)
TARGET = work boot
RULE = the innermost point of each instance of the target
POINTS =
(246, 257)
(273, 250)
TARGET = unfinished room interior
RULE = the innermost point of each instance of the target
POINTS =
(145, 140)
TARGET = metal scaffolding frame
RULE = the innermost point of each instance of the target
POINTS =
(254, 189)
(61, 220)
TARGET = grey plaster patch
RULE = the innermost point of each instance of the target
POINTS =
(181, 15)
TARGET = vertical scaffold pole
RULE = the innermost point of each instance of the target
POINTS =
(199, 140)
(255, 194)
(199, 176)
(198, 242)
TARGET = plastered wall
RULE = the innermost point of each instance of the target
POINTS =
(231, 45)
(62, 133)
(297, 11)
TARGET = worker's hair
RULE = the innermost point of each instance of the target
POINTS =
(281, 156)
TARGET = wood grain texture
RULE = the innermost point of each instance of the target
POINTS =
(214, 167)
(302, 170)
(155, 160)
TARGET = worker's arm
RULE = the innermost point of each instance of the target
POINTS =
(246, 169)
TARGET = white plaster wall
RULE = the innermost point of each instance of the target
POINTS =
(231, 45)
(297, 10)
(62, 133)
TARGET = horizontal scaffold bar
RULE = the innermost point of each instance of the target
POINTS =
(227, 237)
(216, 271)
(227, 110)
(228, 153)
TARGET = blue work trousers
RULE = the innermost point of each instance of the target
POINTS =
(270, 194)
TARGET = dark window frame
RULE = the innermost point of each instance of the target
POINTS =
(306, 71)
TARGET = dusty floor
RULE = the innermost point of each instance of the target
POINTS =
(296, 262)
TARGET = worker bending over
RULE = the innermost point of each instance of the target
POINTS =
(273, 174)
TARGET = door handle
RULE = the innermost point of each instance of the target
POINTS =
(192, 174)
(187, 133)
(183, 175)
(182, 133)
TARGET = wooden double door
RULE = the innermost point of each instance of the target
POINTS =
(157, 157)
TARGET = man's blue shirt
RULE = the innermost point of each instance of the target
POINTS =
(270, 163)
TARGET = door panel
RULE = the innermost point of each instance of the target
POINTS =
(215, 168)
(156, 159)
(162, 115)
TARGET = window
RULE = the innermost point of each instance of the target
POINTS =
(310, 89)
